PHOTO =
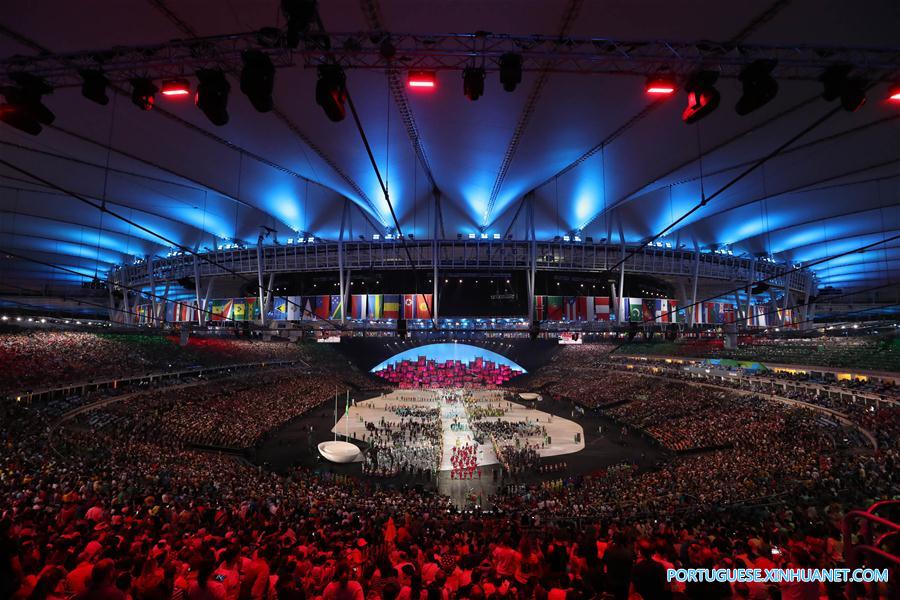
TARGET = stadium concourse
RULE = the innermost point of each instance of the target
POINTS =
(449, 300)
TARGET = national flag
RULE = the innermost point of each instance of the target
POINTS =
(635, 309)
(601, 308)
(373, 306)
(409, 306)
(279, 309)
(571, 307)
(228, 310)
(648, 308)
(308, 303)
(239, 310)
(728, 313)
(184, 311)
(295, 308)
(660, 311)
(423, 306)
(321, 306)
(554, 308)
(539, 308)
(337, 306)
(581, 308)
(252, 311)
(391, 306)
(358, 306)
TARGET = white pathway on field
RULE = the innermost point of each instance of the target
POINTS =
(454, 412)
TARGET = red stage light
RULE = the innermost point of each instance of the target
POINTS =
(176, 87)
(421, 80)
(660, 86)
(894, 94)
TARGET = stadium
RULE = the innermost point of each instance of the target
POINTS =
(449, 299)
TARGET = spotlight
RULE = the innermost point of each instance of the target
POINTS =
(299, 15)
(421, 79)
(473, 83)
(760, 87)
(16, 116)
(837, 83)
(510, 71)
(894, 93)
(142, 93)
(660, 86)
(212, 95)
(26, 95)
(93, 86)
(258, 79)
(703, 97)
(175, 88)
(331, 92)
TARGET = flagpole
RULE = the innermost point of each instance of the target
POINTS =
(334, 429)
(347, 428)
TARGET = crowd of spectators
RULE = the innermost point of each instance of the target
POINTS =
(879, 353)
(107, 513)
(43, 359)
(234, 413)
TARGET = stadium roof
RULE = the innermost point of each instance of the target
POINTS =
(595, 149)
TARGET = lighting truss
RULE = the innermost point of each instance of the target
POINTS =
(450, 51)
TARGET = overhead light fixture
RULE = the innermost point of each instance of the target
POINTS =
(703, 97)
(143, 93)
(24, 109)
(299, 15)
(421, 80)
(258, 79)
(660, 86)
(93, 86)
(212, 95)
(894, 93)
(473, 83)
(174, 88)
(16, 116)
(760, 87)
(510, 71)
(837, 83)
(331, 92)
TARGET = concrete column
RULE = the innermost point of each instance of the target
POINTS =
(259, 272)
(197, 291)
(128, 317)
(341, 283)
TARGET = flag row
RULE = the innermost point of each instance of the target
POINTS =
(653, 310)
(295, 308)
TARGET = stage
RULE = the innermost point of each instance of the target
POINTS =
(566, 437)
(296, 443)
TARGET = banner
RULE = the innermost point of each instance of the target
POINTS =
(321, 305)
(554, 308)
(391, 306)
(601, 308)
(337, 306)
(358, 306)
(374, 306)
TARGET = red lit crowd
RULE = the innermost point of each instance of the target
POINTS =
(95, 511)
